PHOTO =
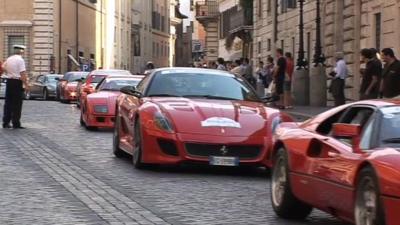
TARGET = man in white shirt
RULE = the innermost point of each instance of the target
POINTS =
(17, 79)
(339, 75)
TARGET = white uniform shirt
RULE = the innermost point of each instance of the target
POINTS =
(341, 69)
(14, 65)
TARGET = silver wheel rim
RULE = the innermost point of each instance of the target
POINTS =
(279, 182)
(366, 208)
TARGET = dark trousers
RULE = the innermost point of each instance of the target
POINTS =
(337, 90)
(13, 102)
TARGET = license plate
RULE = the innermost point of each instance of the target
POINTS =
(224, 161)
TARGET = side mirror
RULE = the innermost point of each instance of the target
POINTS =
(131, 90)
(352, 131)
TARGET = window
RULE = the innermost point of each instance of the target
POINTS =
(259, 8)
(378, 22)
(269, 6)
(283, 45)
(40, 79)
(259, 47)
(162, 49)
(14, 40)
(269, 44)
(287, 4)
(157, 49)
(154, 49)
(367, 136)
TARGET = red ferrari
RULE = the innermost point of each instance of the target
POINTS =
(99, 108)
(178, 115)
(345, 161)
(66, 89)
(89, 85)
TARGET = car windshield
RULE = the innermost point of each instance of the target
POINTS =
(111, 72)
(117, 84)
(200, 85)
(52, 79)
(390, 126)
(97, 79)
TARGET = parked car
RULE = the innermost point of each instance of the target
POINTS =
(345, 161)
(44, 87)
(99, 108)
(3, 83)
(66, 87)
(93, 79)
(178, 115)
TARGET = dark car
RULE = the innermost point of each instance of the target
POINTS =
(44, 86)
(67, 86)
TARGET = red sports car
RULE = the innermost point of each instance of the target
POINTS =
(178, 115)
(345, 161)
(66, 89)
(99, 108)
(95, 77)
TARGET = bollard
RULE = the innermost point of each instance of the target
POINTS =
(318, 86)
(301, 87)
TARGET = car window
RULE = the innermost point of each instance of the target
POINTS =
(40, 79)
(367, 135)
(117, 84)
(389, 127)
(326, 126)
(143, 84)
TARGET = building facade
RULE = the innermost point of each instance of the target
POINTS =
(161, 32)
(346, 26)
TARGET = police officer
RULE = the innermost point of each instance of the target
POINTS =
(17, 80)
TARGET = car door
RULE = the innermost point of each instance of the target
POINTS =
(129, 107)
(37, 86)
(335, 165)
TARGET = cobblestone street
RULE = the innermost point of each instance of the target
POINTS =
(56, 172)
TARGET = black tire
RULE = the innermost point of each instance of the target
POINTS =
(368, 210)
(283, 201)
(118, 152)
(138, 148)
(45, 94)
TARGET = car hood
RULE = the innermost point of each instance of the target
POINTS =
(108, 98)
(215, 117)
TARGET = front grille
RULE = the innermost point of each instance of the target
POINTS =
(100, 119)
(168, 147)
(206, 150)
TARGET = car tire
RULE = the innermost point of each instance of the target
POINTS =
(368, 206)
(138, 147)
(45, 94)
(118, 152)
(284, 203)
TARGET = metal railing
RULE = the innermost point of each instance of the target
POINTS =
(241, 18)
(207, 9)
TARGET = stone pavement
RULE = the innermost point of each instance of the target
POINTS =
(56, 172)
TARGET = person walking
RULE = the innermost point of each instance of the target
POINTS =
(390, 85)
(17, 80)
(279, 77)
(221, 64)
(237, 69)
(269, 68)
(288, 81)
(261, 76)
(371, 75)
(339, 75)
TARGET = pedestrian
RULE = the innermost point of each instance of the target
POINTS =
(261, 74)
(221, 64)
(371, 75)
(269, 68)
(17, 83)
(288, 81)
(237, 69)
(247, 72)
(279, 77)
(390, 85)
(339, 75)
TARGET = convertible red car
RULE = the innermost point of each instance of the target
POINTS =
(88, 86)
(179, 115)
(345, 161)
(99, 108)
(66, 89)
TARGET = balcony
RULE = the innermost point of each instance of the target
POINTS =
(207, 10)
(241, 20)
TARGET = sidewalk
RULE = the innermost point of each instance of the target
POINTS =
(306, 111)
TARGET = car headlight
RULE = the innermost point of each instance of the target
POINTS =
(275, 124)
(162, 122)
(101, 109)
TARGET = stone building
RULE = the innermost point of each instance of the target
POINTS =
(161, 32)
(347, 26)
(177, 42)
